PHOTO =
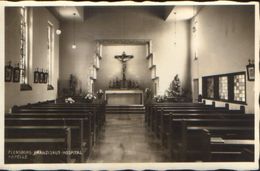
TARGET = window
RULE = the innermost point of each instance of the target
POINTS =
(155, 88)
(91, 86)
(223, 87)
(94, 73)
(50, 34)
(153, 72)
(226, 87)
(239, 88)
(25, 46)
(210, 87)
(97, 62)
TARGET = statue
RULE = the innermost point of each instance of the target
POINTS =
(124, 58)
(175, 87)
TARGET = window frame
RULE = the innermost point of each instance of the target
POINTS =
(230, 84)
(50, 42)
(219, 87)
(26, 43)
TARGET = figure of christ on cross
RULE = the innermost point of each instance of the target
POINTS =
(124, 58)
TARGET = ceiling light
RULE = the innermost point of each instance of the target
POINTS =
(74, 46)
(58, 31)
(74, 42)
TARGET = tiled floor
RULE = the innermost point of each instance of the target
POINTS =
(125, 138)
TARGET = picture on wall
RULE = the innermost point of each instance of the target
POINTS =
(36, 76)
(16, 76)
(45, 77)
(8, 73)
(250, 72)
(41, 77)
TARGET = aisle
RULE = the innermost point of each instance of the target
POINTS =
(126, 139)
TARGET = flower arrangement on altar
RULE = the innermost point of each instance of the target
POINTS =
(90, 97)
(69, 100)
(100, 93)
(159, 98)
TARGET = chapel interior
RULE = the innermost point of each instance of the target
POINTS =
(124, 84)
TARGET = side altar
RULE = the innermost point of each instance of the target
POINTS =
(124, 97)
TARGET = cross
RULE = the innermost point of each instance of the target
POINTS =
(124, 58)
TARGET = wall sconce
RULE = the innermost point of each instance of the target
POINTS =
(58, 31)
(250, 68)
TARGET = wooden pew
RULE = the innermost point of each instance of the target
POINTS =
(184, 148)
(44, 110)
(94, 120)
(226, 150)
(81, 137)
(97, 120)
(176, 104)
(21, 142)
(149, 108)
(97, 109)
(60, 115)
(164, 127)
(100, 107)
(156, 116)
(67, 104)
(154, 111)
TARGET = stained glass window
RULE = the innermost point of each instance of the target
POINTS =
(210, 87)
(223, 88)
(239, 88)
(229, 87)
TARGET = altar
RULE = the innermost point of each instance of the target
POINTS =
(124, 92)
(124, 97)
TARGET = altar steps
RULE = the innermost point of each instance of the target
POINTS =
(125, 109)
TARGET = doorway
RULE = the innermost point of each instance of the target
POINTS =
(195, 90)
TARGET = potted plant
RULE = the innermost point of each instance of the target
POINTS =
(159, 98)
(89, 98)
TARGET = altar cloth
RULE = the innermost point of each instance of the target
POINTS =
(124, 97)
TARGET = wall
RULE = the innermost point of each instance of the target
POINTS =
(39, 92)
(110, 68)
(225, 42)
(125, 23)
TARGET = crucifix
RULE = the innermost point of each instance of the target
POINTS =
(124, 58)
